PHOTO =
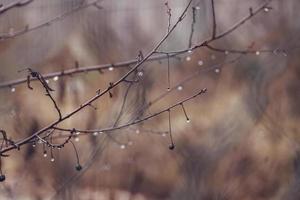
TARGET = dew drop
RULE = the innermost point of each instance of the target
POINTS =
(257, 53)
(52, 160)
(130, 143)
(190, 51)
(47, 81)
(226, 52)
(188, 58)
(188, 121)
(45, 155)
(200, 62)
(110, 68)
(122, 146)
(137, 131)
(13, 89)
(179, 88)
(164, 134)
(55, 78)
(217, 70)
(266, 9)
(140, 73)
(77, 139)
(95, 134)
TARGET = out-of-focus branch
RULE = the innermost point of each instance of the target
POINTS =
(20, 3)
(28, 29)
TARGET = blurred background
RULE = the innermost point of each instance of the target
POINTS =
(241, 143)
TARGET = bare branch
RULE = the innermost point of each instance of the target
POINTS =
(53, 124)
(214, 27)
(19, 3)
(27, 29)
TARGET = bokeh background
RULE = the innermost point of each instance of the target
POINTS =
(243, 138)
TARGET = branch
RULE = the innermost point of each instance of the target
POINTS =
(136, 121)
(165, 55)
(38, 76)
(214, 28)
(20, 3)
(99, 94)
(28, 29)
(78, 70)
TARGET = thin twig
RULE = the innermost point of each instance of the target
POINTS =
(20, 3)
(202, 91)
(214, 27)
(98, 95)
(27, 29)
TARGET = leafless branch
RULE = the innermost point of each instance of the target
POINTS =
(135, 121)
(19, 3)
(98, 95)
(38, 76)
(214, 27)
(27, 29)
(192, 27)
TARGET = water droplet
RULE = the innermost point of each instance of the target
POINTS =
(130, 143)
(257, 53)
(45, 155)
(188, 58)
(77, 133)
(226, 52)
(11, 31)
(190, 51)
(217, 70)
(33, 145)
(266, 9)
(200, 62)
(110, 68)
(179, 88)
(140, 73)
(55, 78)
(122, 146)
(95, 134)
(137, 131)
(13, 89)
(188, 121)
(52, 160)
(77, 139)
(47, 81)
(164, 134)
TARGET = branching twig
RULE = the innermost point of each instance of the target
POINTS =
(28, 29)
(19, 3)
(135, 121)
(53, 124)
(38, 76)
